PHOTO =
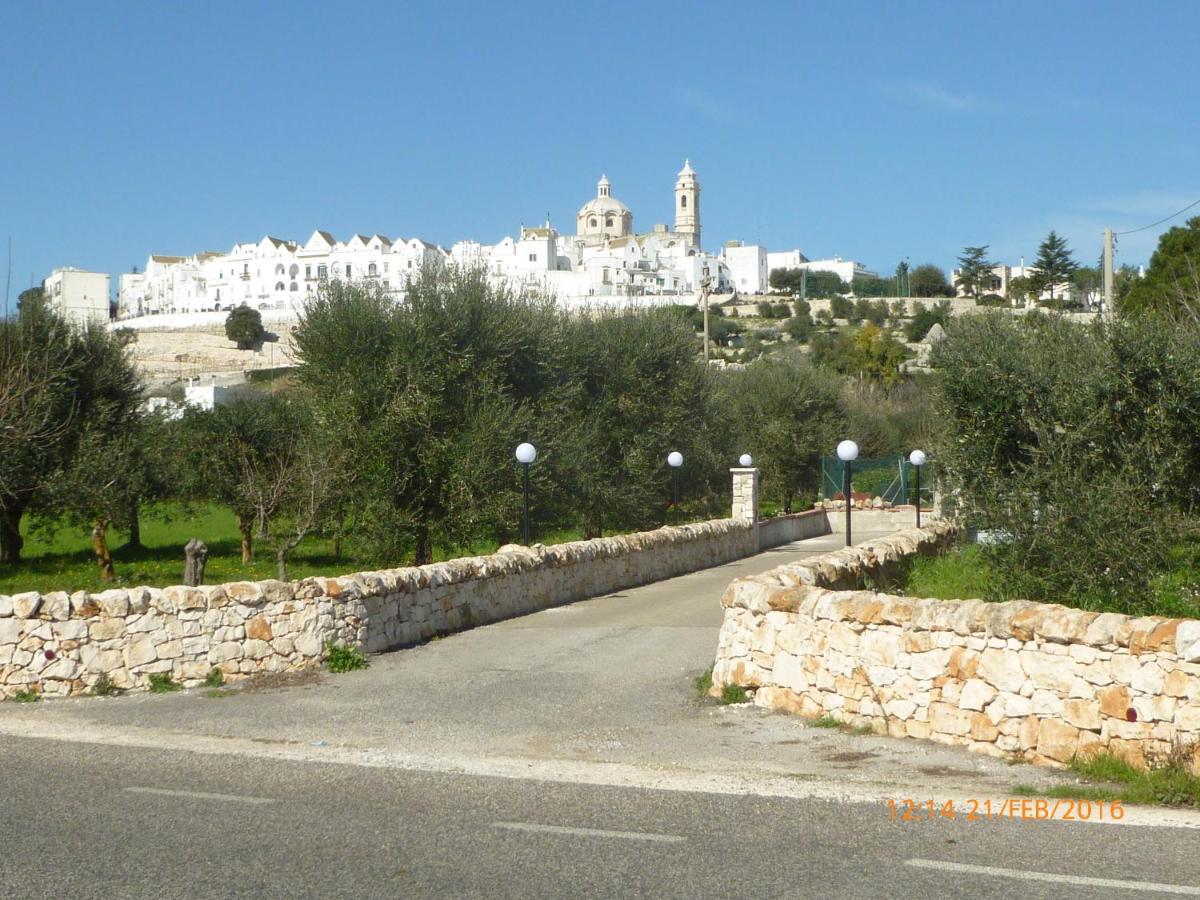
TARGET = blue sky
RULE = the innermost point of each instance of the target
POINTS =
(874, 131)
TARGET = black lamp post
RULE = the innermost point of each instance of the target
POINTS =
(917, 458)
(847, 452)
(526, 454)
(675, 460)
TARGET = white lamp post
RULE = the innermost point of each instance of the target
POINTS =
(917, 458)
(847, 452)
(526, 454)
(675, 460)
(745, 460)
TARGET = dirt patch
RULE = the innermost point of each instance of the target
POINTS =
(849, 756)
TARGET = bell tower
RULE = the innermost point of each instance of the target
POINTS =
(687, 205)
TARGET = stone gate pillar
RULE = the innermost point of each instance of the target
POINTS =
(745, 497)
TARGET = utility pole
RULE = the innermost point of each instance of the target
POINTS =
(704, 300)
(1108, 271)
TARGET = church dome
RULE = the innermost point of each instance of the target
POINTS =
(603, 205)
(604, 216)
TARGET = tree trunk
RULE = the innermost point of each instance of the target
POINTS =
(135, 525)
(281, 562)
(262, 525)
(11, 541)
(196, 553)
(100, 546)
(338, 524)
(244, 526)
(424, 554)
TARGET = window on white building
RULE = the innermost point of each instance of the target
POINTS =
(294, 287)
(533, 257)
(371, 269)
(683, 202)
(608, 222)
(279, 270)
(322, 272)
(280, 286)
(347, 270)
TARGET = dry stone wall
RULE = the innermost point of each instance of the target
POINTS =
(60, 644)
(1035, 681)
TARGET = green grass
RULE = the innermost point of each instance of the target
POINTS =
(703, 683)
(964, 573)
(25, 696)
(215, 678)
(62, 558)
(343, 659)
(161, 683)
(825, 722)
(104, 686)
(734, 693)
(1168, 782)
(960, 574)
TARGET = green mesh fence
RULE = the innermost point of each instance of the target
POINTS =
(889, 477)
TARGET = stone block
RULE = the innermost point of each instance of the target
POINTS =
(1176, 683)
(141, 650)
(113, 603)
(1115, 700)
(1049, 672)
(1149, 679)
(259, 629)
(1082, 714)
(982, 728)
(1187, 641)
(1057, 740)
(1046, 703)
(929, 664)
(1001, 669)
(26, 605)
(975, 695)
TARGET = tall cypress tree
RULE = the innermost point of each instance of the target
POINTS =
(974, 270)
(1054, 264)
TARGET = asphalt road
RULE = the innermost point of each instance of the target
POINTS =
(113, 822)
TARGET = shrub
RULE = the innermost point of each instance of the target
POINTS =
(734, 693)
(340, 659)
(161, 683)
(215, 678)
(244, 327)
(27, 695)
(1081, 444)
(104, 686)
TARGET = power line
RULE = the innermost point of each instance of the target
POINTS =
(1160, 221)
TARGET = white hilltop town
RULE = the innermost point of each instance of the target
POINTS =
(606, 261)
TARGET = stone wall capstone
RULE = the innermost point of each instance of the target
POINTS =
(1035, 681)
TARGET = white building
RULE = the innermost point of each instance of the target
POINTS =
(845, 269)
(79, 297)
(785, 259)
(748, 267)
(605, 257)
(273, 274)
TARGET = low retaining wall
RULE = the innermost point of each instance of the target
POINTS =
(1035, 681)
(60, 644)
(779, 530)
